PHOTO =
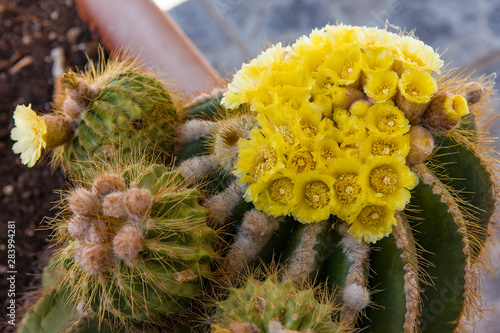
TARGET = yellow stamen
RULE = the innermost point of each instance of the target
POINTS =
(383, 148)
(347, 188)
(317, 194)
(371, 216)
(383, 179)
(309, 129)
(265, 159)
(282, 190)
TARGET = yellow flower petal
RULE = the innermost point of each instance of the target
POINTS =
(373, 223)
(381, 86)
(343, 65)
(414, 53)
(276, 196)
(376, 59)
(314, 197)
(388, 181)
(28, 132)
(385, 118)
(349, 193)
(417, 86)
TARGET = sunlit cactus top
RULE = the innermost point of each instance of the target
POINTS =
(334, 112)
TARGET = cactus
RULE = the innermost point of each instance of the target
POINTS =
(134, 248)
(274, 306)
(347, 156)
(109, 109)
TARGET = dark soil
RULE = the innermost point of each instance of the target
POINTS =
(29, 31)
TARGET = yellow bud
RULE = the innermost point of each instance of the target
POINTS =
(444, 112)
(421, 145)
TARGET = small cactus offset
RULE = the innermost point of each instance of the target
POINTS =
(108, 109)
(363, 167)
(274, 306)
(134, 247)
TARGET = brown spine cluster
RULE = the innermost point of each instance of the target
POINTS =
(107, 223)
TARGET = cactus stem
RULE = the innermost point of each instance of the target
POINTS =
(221, 204)
(473, 303)
(193, 130)
(302, 261)
(404, 241)
(204, 97)
(196, 168)
(255, 231)
(355, 294)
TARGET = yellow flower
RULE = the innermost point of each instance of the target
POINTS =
(250, 74)
(259, 157)
(359, 108)
(381, 86)
(384, 145)
(309, 126)
(349, 193)
(341, 34)
(385, 118)
(376, 59)
(279, 126)
(373, 223)
(340, 97)
(324, 102)
(377, 37)
(342, 65)
(311, 51)
(417, 86)
(276, 196)
(301, 160)
(28, 132)
(327, 151)
(388, 181)
(351, 132)
(414, 53)
(314, 197)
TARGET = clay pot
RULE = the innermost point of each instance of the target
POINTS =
(141, 27)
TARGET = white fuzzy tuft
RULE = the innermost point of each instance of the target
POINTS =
(195, 168)
(194, 129)
(356, 297)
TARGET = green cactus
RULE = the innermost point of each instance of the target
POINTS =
(111, 109)
(401, 242)
(274, 306)
(134, 248)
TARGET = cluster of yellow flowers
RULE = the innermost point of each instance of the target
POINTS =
(332, 138)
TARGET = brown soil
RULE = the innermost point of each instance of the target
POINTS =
(29, 30)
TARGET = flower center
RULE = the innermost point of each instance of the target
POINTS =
(388, 124)
(413, 90)
(347, 188)
(265, 159)
(327, 153)
(309, 129)
(303, 162)
(317, 194)
(282, 190)
(383, 179)
(286, 132)
(383, 148)
(372, 216)
(346, 71)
